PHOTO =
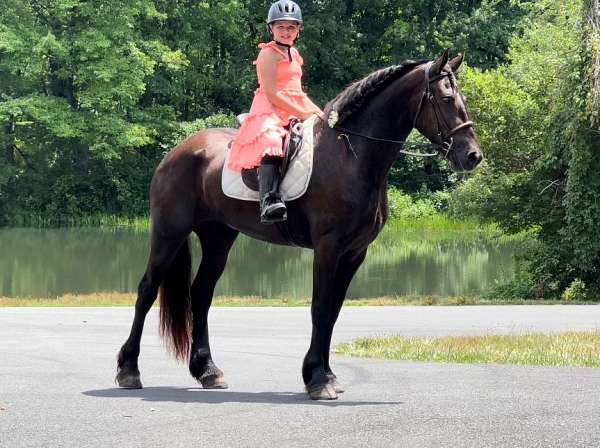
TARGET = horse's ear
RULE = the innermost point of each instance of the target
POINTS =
(439, 63)
(454, 63)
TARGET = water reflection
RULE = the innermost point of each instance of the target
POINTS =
(51, 262)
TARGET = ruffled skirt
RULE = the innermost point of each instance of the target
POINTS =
(262, 132)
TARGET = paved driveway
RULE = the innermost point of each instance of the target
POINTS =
(57, 367)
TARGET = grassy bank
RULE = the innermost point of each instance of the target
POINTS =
(431, 226)
(119, 299)
(439, 227)
(564, 349)
(96, 220)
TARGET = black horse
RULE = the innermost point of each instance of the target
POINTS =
(343, 210)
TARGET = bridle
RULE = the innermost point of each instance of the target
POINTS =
(444, 132)
(444, 135)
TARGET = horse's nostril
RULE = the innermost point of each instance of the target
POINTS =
(475, 157)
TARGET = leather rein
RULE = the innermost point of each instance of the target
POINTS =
(445, 137)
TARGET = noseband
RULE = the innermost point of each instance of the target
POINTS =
(445, 133)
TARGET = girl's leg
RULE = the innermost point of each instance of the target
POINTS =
(272, 208)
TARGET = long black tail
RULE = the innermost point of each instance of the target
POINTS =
(175, 304)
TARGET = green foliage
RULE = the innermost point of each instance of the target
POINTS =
(570, 166)
(582, 208)
(402, 205)
(542, 165)
(485, 195)
(523, 285)
(576, 291)
(507, 119)
(184, 129)
(93, 94)
(416, 174)
(359, 36)
(513, 290)
(78, 136)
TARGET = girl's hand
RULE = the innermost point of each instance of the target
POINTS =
(318, 112)
(306, 115)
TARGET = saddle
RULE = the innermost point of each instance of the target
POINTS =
(298, 167)
(292, 142)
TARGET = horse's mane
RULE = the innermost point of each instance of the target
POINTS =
(354, 97)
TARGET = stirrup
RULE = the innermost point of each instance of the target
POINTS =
(273, 212)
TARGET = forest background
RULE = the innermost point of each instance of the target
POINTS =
(94, 93)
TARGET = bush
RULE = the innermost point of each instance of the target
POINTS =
(402, 205)
(440, 200)
(187, 128)
(575, 292)
(506, 117)
(514, 290)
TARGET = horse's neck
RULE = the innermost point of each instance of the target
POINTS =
(385, 119)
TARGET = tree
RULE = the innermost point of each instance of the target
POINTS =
(92, 93)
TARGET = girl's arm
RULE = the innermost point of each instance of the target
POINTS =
(316, 109)
(266, 65)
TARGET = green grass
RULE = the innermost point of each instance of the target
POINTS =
(96, 220)
(437, 227)
(128, 299)
(562, 349)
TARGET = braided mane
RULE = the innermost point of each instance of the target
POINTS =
(356, 95)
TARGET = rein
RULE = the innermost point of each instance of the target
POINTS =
(445, 139)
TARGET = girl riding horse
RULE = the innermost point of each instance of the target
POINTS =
(341, 213)
(278, 99)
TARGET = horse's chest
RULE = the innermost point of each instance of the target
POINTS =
(368, 225)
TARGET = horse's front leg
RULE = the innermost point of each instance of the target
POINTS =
(347, 267)
(314, 374)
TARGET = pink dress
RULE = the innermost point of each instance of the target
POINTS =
(262, 131)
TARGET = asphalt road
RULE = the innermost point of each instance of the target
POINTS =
(57, 368)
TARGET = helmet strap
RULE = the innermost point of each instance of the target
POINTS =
(288, 48)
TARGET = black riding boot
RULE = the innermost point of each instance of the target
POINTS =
(272, 208)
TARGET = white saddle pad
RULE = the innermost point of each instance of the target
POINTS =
(296, 178)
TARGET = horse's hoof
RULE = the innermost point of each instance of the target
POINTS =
(336, 385)
(129, 380)
(214, 382)
(321, 392)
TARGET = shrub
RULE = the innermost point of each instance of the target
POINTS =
(187, 128)
(575, 292)
(402, 205)
(514, 290)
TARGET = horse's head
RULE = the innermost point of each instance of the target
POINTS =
(442, 114)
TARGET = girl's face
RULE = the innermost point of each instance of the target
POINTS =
(285, 31)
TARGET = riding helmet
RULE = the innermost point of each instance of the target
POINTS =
(284, 10)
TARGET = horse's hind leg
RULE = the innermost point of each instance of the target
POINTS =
(165, 251)
(216, 240)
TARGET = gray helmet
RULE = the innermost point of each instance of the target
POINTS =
(284, 10)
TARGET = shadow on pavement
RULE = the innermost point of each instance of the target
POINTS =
(199, 395)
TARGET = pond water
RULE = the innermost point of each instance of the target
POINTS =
(52, 262)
